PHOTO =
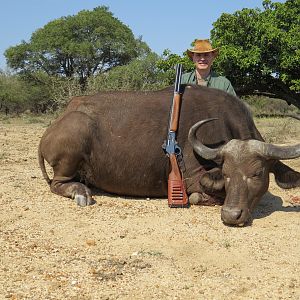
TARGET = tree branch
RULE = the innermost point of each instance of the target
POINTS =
(274, 88)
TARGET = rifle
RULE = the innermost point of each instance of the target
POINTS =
(177, 196)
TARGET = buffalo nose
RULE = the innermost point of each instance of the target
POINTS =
(231, 215)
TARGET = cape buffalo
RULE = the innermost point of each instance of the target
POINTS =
(113, 140)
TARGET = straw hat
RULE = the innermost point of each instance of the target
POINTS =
(201, 46)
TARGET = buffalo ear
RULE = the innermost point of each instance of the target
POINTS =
(212, 180)
(285, 176)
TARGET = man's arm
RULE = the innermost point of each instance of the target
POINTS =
(230, 89)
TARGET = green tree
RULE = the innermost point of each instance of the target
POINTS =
(260, 50)
(82, 45)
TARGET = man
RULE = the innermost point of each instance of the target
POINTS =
(203, 56)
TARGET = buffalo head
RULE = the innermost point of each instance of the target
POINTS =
(244, 172)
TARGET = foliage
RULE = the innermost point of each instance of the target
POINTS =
(169, 60)
(13, 93)
(260, 49)
(139, 74)
(264, 106)
(60, 90)
(78, 46)
(93, 51)
(37, 93)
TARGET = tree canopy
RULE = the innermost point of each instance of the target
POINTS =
(260, 49)
(79, 46)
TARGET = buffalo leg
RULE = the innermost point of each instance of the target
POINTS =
(75, 190)
(205, 199)
(64, 183)
(67, 150)
(285, 176)
(208, 188)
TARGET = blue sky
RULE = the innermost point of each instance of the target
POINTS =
(162, 24)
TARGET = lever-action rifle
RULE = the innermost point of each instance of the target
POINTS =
(177, 196)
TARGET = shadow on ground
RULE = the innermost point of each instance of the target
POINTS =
(271, 203)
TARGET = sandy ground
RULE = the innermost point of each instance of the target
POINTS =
(123, 248)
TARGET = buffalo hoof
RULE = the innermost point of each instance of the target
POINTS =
(83, 201)
(194, 198)
(204, 199)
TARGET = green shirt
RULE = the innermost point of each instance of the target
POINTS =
(212, 81)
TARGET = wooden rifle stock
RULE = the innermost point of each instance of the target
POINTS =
(175, 112)
(177, 196)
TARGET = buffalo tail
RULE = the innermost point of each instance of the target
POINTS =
(42, 165)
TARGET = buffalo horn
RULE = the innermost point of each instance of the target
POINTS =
(276, 152)
(199, 148)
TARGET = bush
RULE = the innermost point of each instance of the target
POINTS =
(14, 95)
(263, 106)
(139, 74)
(36, 92)
(61, 90)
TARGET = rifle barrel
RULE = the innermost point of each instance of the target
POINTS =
(178, 78)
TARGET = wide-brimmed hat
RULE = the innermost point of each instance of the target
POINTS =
(201, 46)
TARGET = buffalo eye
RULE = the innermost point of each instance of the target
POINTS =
(257, 174)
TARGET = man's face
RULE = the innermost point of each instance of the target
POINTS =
(203, 61)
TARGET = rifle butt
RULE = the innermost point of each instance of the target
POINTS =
(177, 196)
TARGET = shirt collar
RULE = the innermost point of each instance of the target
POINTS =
(207, 79)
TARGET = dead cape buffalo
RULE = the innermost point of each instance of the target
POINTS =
(113, 141)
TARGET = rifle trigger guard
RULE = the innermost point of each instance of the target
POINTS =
(178, 151)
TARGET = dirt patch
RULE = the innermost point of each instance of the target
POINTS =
(123, 248)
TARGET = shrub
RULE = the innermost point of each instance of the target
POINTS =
(263, 106)
(139, 74)
(14, 95)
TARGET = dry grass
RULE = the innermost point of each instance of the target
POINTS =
(279, 130)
